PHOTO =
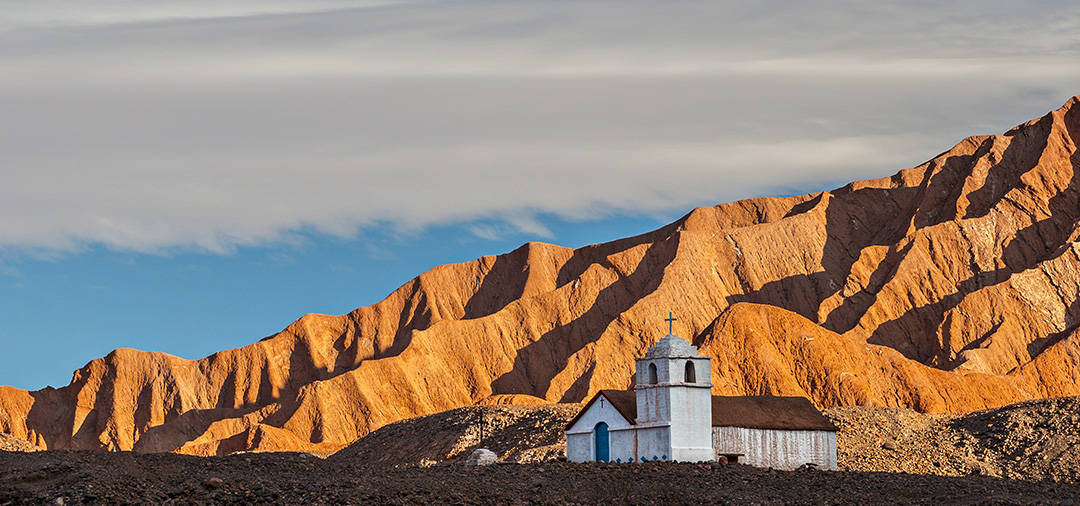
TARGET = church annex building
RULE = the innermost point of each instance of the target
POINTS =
(671, 414)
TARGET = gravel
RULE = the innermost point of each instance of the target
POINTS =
(10, 443)
(1034, 440)
(1025, 453)
(295, 478)
(520, 434)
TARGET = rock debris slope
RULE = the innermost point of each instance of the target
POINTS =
(1032, 440)
(948, 287)
(519, 434)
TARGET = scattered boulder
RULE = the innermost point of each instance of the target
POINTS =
(481, 457)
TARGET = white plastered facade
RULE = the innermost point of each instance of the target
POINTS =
(674, 411)
(581, 437)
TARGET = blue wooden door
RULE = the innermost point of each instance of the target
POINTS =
(600, 438)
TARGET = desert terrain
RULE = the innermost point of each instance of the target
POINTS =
(933, 315)
(950, 287)
(1027, 453)
(1032, 441)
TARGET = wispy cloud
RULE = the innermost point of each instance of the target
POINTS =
(487, 232)
(154, 125)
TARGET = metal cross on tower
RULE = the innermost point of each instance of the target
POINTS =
(670, 322)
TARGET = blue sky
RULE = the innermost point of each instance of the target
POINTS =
(192, 176)
(60, 313)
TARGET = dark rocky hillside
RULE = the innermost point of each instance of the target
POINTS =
(1033, 440)
(514, 433)
(1029, 441)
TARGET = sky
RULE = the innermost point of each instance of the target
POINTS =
(192, 176)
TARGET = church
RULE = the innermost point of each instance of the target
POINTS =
(671, 414)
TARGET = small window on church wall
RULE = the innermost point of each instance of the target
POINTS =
(691, 376)
(652, 374)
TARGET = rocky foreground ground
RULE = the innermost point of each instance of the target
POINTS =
(54, 477)
(1023, 453)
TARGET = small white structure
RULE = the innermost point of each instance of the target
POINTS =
(671, 414)
(481, 457)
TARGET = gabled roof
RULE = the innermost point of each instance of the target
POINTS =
(624, 401)
(753, 412)
(768, 412)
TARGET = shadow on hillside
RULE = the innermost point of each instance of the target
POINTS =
(187, 426)
(505, 281)
(856, 219)
(537, 363)
(1072, 313)
(1040, 242)
(502, 284)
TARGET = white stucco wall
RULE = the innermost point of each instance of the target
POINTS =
(691, 412)
(652, 400)
(654, 443)
(623, 444)
(778, 449)
(674, 417)
(579, 437)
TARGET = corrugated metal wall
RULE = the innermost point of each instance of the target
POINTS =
(778, 449)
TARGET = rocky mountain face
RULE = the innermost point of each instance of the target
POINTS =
(949, 287)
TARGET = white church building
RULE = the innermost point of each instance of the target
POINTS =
(671, 414)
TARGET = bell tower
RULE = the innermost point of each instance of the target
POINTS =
(674, 402)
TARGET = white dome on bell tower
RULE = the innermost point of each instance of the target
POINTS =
(672, 346)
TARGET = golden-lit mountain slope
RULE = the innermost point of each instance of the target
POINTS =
(952, 286)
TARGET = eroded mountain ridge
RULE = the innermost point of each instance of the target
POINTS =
(949, 287)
